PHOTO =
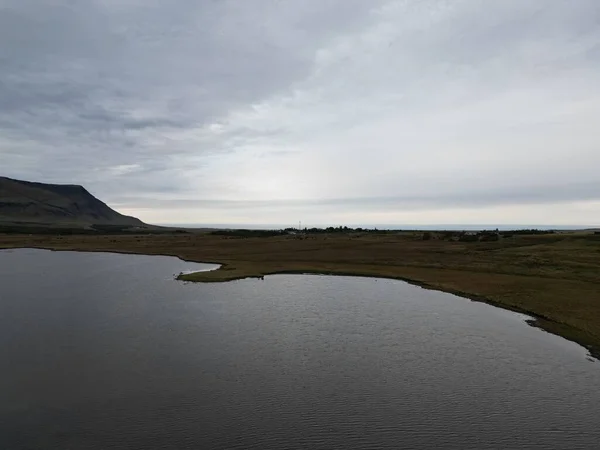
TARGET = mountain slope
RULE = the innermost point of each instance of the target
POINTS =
(55, 205)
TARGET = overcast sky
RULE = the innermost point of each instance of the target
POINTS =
(325, 111)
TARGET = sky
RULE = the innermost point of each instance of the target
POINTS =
(329, 112)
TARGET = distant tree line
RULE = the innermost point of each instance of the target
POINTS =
(291, 231)
(332, 230)
(248, 233)
(462, 236)
(480, 236)
(526, 231)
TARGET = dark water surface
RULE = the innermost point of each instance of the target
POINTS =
(104, 351)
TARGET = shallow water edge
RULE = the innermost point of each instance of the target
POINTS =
(226, 272)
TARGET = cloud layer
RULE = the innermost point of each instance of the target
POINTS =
(339, 111)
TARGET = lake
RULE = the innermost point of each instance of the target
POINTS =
(107, 351)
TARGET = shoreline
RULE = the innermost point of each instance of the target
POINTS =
(535, 320)
(227, 271)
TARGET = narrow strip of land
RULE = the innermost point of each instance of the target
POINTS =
(554, 278)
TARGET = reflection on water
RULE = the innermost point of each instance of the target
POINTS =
(104, 351)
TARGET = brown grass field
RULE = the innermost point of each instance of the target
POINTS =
(554, 278)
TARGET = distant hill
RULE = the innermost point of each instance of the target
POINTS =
(56, 205)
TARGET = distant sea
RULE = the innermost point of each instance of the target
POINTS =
(453, 227)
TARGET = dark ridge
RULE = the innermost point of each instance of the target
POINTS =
(40, 205)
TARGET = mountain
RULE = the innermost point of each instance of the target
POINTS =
(50, 205)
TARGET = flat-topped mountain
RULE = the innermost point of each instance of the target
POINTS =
(40, 204)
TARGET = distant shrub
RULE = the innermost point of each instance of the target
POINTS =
(248, 233)
(488, 237)
(526, 232)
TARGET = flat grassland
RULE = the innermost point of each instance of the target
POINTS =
(554, 277)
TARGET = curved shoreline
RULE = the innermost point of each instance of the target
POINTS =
(229, 271)
(535, 320)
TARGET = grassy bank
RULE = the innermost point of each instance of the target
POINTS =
(555, 277)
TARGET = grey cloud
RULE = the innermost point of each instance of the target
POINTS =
(151, 104)
(73, 71)
(551, 193)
